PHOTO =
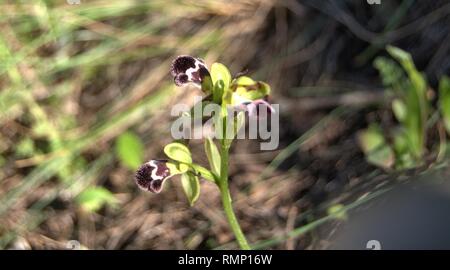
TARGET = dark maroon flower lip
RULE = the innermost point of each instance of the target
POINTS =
(151, 175)
(187, 69)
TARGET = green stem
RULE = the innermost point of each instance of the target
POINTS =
(226, 198)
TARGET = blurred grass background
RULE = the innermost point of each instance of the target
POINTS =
(85, 96)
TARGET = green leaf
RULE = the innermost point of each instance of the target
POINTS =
(399, 109)
(399, 54)
(417, 79)
(416, 102)
(179, 152)
(221, 79)
(402, 149)
(377, 151)
(404, 157)
(191, 187)
(130, 150)
(220, 72)
(244, 81)
(382, 157)
(219, 89)
(391, 74)
(371, 138)
(93, 199)
(400, 142)
(444, 101)
(213, 156)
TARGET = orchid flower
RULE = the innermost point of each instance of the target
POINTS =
(152, 175)
(247, 94)
(242, 93)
